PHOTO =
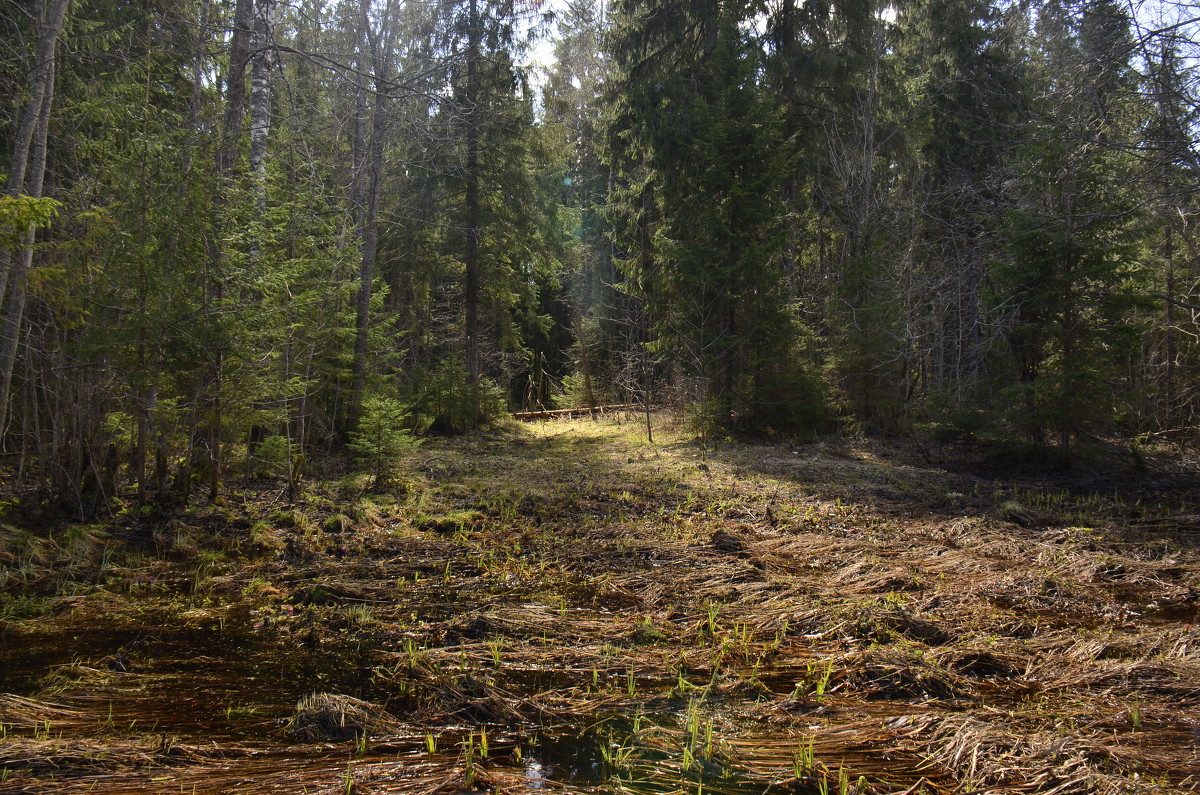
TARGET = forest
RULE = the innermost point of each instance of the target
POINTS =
(243, 236)
(636, 397)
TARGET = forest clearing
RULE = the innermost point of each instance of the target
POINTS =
(915, 287)
(562, 606)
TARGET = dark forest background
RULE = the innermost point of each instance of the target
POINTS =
(238, 236)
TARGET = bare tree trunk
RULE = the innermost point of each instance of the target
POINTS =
(1169, 387)
(142, 430)
(368, 193)
(202, 38)
(27, 174)
(41, 92)
(474, 220)
(262, 63)
(585, 368)
(41, 89)
(235, 107)
(358, 204)
(1068, 322)
(235, 87)
(369, 238)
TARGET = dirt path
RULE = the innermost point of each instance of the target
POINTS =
(570, 608)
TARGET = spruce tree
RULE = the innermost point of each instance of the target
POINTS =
(708, 136)
(1073, 270)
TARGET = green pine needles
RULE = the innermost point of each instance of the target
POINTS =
(381, 437)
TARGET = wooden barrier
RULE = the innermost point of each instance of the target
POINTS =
(528, 416)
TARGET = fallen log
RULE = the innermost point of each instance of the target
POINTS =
(580, 412)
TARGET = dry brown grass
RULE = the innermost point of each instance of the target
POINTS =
(668, 617)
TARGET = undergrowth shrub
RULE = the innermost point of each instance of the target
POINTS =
(445, 401)
(381, 436)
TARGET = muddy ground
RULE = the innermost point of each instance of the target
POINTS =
(566, 607)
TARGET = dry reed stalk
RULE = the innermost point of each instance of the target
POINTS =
(19, 712)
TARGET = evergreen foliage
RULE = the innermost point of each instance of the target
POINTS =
(227, 225)
(381, 436)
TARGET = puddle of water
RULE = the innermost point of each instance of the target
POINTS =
(231, 683)
(236, 685)
(1142, 605)
(1171, 613)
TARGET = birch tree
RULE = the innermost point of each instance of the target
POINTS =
(26, 177)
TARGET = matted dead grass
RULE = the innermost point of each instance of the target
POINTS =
(569, 607)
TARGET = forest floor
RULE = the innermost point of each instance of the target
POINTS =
(567, 607)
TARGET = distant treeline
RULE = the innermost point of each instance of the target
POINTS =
(236, 234)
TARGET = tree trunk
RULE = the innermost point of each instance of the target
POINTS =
(472, 254)
(235, 107)
(27, 172)
(367, 191)
(41, 90)
(261, 64)
(235, 88)
(1169, 387)
(198, 64)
